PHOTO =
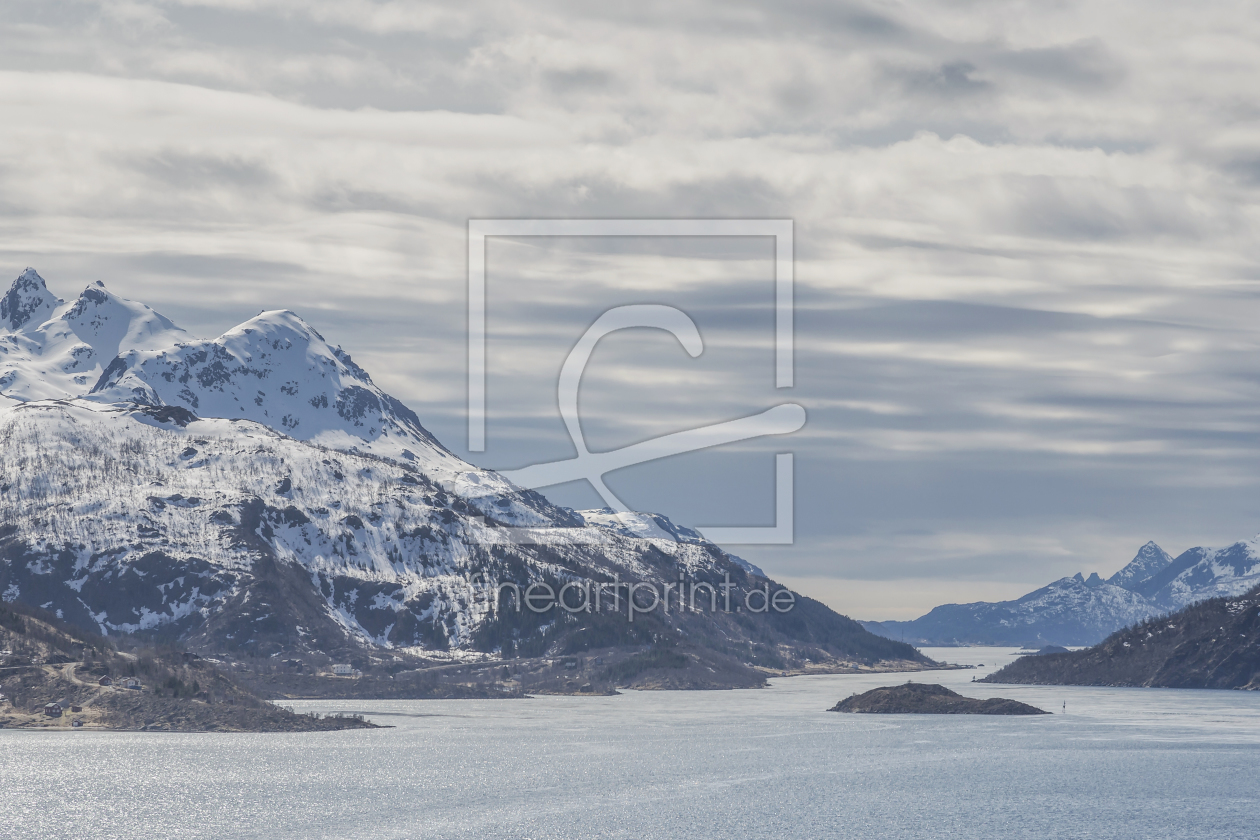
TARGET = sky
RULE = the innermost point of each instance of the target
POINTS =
(1027, 275)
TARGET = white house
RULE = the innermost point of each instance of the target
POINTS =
(343, 670)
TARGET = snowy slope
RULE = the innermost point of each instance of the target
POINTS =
(649, 525)
(99, 497)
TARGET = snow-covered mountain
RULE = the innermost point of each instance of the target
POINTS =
(258, 492)
(1080, 611)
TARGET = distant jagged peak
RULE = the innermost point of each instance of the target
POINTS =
(1093, 586)
(28, 302)
(1149, 561)
(1091, 582)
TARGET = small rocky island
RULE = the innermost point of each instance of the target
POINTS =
(923, 699)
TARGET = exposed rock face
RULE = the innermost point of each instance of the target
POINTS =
(27, 300)
(922, 699)
(1212, 644)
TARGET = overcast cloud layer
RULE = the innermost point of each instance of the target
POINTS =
(1028, 298)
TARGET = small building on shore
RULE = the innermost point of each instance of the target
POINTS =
(53, 710)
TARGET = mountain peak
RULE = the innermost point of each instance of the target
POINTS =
(271, 330)
(278, 319)
(27, 299)
(112, 325)
(1149, 561)
(95, 293)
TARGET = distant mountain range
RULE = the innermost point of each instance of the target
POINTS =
(258, 493)
(1084, 611)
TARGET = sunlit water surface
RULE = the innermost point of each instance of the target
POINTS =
(772, 763)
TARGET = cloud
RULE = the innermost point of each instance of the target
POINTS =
(1085, 65)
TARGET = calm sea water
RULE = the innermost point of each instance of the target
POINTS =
(1118, 763)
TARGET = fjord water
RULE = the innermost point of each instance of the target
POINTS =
(771, 763)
